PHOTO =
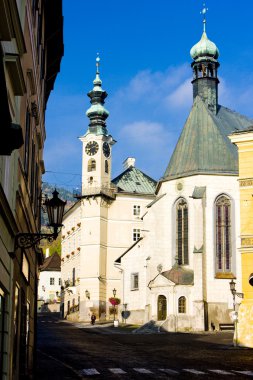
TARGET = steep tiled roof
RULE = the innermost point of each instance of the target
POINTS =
(133, 180)
(51, 263)
(203, 147)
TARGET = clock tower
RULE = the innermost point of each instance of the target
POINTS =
(96, 199)
(97, 143)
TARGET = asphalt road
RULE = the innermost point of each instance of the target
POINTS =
(79, 351)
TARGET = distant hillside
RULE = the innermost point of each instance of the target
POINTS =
(64, 194)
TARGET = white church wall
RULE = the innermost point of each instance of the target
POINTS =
(160, 244)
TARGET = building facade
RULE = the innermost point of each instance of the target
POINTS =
(169, 250)
(104, 222)
(179, 272)
(244, 141)
(31, 47)
(49, 286)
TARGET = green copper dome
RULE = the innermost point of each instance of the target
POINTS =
(97, 110)
(97, 113)
(204, 48)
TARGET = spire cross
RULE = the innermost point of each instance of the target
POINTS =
(203, 12)
(97, 63)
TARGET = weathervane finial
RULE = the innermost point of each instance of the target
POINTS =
(203, 12)
(97, 62)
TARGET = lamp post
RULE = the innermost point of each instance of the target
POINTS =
(114, 291)
(235, 314)
(125, 309)
(55, 209)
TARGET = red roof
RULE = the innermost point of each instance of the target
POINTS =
(52, 263)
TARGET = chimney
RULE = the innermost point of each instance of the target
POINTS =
(130, 161)
(47, 252)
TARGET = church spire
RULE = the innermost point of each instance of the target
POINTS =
(205, 68)
(97, 113)
(203, 12)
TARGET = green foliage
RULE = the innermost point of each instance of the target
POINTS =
(55, 246)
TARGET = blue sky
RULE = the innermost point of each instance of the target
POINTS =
(145, 68)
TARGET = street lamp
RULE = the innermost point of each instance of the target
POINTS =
(114, 291)
(235, 314)
(55, 209)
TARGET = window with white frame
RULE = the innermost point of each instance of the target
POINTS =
(136, 210)
(136, 234)
(134, 281)
(182, 305)
(223, 234)
(51, 280)
(182, 232)
(59, 281)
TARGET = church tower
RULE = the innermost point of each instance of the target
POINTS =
(96, 157)
(96, 199)
(205, 69)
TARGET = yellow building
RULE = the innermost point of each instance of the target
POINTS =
(244, 142)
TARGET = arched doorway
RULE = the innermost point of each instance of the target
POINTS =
(161, 308)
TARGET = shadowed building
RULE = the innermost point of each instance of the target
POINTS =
(31, 48)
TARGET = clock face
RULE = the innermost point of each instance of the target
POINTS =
(91, 148)
(106, 149)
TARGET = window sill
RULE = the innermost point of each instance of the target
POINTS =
(134, 290)
(224, 275)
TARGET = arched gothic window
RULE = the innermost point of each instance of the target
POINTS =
(182, 305)
(223, 234)
(106, 167)
(161, 308)
(91, 165)
(182, 232)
